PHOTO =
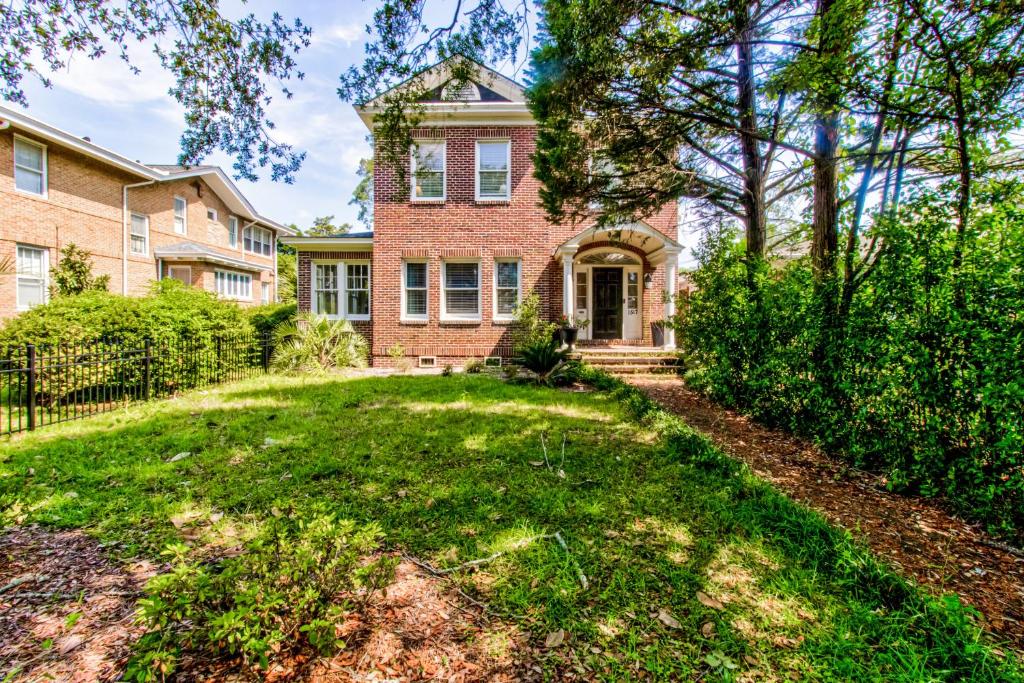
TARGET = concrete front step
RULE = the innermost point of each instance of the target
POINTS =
(630, 361)
(638, 369)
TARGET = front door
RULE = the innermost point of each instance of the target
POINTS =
(607, 303)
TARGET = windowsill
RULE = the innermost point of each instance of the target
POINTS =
(437, 200)
(503, 321)
(29, 193)
(461, 321)
(493, 200)
(413, 321)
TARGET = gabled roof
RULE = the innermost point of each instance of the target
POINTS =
(213, 175)
(494, 98)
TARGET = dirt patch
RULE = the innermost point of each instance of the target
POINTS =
(915, 535)
(66, 609)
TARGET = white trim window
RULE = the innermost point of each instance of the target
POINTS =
(32, 270)
(427, 171)
(29, 166)
(181, 215)
(233, 285)
(258, 241)
(211, 214)
(341, 289)
(493, 160)
(414, 290)
(357, 291)
(140, 234)
(182, 274)
(460, 298)
(233, 231)
(507, 287)
(264, 293)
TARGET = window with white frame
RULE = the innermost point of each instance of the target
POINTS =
(233, 285)
(461, 298)
(258, 241)
(32, 269)
(357, 290)
(211, 215)
(414, 290)
(182, 274)
(29, 166)
(264, 292)
(140, 233)
(427, 170)
(232, 231)
(341, 289)
(492, 169)
(180, 215)
(506, 288)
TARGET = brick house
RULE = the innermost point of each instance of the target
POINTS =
(138, 222)
(452, 255)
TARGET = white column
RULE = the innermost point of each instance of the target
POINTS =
(671, 276)
(567, 297)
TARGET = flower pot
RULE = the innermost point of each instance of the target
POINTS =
(569, 335)
(556, 336)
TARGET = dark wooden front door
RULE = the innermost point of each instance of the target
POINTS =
(607, 303)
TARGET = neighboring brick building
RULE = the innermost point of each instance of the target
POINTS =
(450, 258)
(138, 222)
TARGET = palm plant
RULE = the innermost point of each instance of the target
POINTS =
(549, 362)
(311, 343)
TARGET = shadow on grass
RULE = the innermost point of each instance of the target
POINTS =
(693, 565)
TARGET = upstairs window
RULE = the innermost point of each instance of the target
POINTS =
(427, 171)
(211, 215)
(29, 166)
(258, 241)
(461, 300)
(180, 215)
(232, 231)
(492, 166)
(140, 234)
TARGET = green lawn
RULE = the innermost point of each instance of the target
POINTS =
(671, 536)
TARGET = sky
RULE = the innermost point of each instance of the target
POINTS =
(134, 116)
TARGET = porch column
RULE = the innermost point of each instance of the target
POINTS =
(671, 276)
(567, 297)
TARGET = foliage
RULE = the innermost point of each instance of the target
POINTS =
(643, 496)
(73, 273)
(529, 327)
(473, 366)
(315, 344)
(548, 362)
(265, 319)
(222, 66)
(292, 588)
(928, 382)
(323, 226)
(287, 274)
(362, 195)
(396, 352)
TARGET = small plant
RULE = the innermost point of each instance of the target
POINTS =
(396, 352)
(473, 366)
(510, 371)
(73, 273)
(315, 344)
(550, 364)
(447, 370)
(289, 592)
(529, 327)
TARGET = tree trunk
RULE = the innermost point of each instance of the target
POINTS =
(825, 221)
(753, 182)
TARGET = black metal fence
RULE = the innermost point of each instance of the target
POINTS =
(50, 384)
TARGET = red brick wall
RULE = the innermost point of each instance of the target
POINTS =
(304, 290)
(83, 205)
(462, 227)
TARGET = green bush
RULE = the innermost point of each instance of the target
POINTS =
(267, 318)
(289, 592)
(73, 273)
(316, 344)
(927, 380)
(549, 363)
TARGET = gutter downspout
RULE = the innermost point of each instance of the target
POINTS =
(124, 236)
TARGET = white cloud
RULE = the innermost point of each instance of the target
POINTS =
(338, 34)
(110, 81)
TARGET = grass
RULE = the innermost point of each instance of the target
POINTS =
(694, 566)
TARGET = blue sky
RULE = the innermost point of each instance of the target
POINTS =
(134, 116)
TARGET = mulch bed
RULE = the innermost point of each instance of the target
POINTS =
(914, 535)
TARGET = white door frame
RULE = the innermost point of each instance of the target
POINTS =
(632, 325)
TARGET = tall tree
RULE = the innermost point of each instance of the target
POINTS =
(223, 67)
(362, 195)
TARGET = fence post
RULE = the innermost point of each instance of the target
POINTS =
(147, 376)
(31, 348)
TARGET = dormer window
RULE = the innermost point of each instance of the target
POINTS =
(465, 91)
(427, 161)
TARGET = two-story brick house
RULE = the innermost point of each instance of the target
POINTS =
(139, 222)
(452, 254)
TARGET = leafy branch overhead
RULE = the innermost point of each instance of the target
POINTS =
(226, 70)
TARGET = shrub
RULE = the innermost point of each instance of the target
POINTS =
(529, 327)
(289, 592)
(549, 363)
(316, 344)
(473, 366)
(396, 352)
(265, 319)
(73, 273)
